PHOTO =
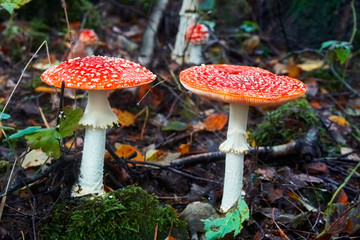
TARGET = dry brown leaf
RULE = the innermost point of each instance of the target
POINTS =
(341, 197)
(215, 121)
(316, 168)
(125, 118)
(290, 68)
(266, 173)
(315, 104)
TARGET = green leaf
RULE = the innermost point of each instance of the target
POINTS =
(4, 116)
(175, 126)
(46, 139)
(21, 133)
(249, 26)
(343, 54)
(328, 44)
(232, 222)
(10, 5)
(69, 123)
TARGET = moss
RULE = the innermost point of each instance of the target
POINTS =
(129, 213)
(289, 121)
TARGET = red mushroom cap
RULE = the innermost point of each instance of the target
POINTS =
(197, 33)
(88, 37)
(98, 73)
(241, 84)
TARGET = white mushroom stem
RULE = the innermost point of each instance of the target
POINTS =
(92, 163)
(235, 147)
(195, 54)
(97, 117)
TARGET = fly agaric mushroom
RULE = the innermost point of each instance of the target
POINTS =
(96, 74)
(197, 34)
(241, 86)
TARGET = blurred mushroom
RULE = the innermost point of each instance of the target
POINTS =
(197, 34)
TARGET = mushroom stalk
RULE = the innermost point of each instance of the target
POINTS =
(92, 163)
(97, 117)
(195, 54)
(235, 147)
(98, 113)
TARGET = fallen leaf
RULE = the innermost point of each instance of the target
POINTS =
(184, 149)
(290, 68)
(341, 197)
(297, 198)
(125, 118)
(161, 157)
(341, 121)
(46, 89)
(43, 64)
(316, 168)
(34, 158)
(315, 104)
(311, 64)
(351, 154)
(215, 121)
(124, 151)
(266, 173)
(274, 194)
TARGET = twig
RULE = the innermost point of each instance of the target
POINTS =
(353, 34)
(19, 184)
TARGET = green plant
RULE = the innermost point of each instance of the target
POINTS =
(129, 213)
(49, 139)
(10, 5)
(332, 207)
(231, 222)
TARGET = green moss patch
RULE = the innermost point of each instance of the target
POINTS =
(129, 213)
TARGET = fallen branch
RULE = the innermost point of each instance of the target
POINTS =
(306, 147)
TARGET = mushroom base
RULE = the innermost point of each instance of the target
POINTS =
(234, 164)
(92, 163)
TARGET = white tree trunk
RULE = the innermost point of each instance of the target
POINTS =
(148, 40)
(186, 19)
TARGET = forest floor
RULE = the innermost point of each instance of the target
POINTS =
(176, 135)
